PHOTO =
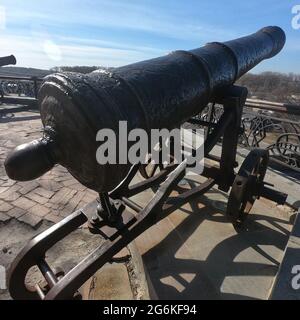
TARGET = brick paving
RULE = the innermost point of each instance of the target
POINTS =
(51, 197)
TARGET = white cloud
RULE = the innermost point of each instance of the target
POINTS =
(110, 44)
(46, 42)
(52, 50)
(120, 15)
(46, 53)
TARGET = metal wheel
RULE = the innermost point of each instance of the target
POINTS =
(247, 185)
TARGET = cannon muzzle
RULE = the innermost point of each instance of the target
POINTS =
(157, 93)
(5, 61)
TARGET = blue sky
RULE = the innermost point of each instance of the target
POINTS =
(44, 34)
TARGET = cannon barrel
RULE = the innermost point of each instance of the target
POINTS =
(4, 61)
(158, 93)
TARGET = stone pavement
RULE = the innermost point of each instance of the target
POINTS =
(51, 197)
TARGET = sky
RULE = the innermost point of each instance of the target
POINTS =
(111, 33)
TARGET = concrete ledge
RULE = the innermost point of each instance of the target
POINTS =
(287, 282)
(140, 281)
(124, 279)
(25, 101)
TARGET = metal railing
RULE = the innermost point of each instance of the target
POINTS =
(270, 125)
(19, 90)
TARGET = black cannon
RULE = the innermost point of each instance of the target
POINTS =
(158, 93)
(4, 61)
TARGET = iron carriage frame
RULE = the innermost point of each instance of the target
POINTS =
(111, 216)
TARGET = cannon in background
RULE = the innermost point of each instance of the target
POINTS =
(4, 61)
(157, 93)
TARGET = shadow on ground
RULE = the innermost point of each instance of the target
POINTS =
(175, 277)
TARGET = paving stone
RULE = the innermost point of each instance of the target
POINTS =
(4, 206)
(81, 204)
(16, 212)
(9, 144)
(50, 185)
(44, 193)
(29, 186)
(8, 183)
(31, 220)
(64, 212)
(62, 178)
(54, 206)
(90, 195)
(37, 198)
(78, 186)
(73, 203)
(48, 205)
(24, 203)
(55, 212)
(4, 217)
(69, 182)
(52, 217)
(59, 196)
(60, 169)
(63, 197)
(10, 194)
(39, 210)
(3, 189)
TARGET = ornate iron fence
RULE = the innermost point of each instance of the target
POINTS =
(19, 90)
(270, 125)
